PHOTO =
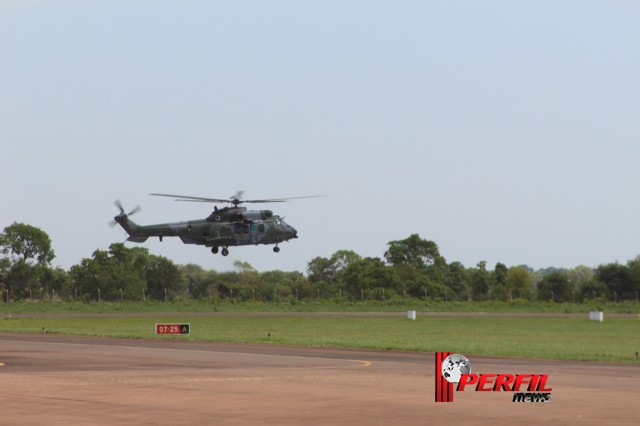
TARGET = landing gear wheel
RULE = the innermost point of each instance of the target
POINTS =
(276, 249)
(214, 250)
(225, 252)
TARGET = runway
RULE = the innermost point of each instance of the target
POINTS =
(68, 380)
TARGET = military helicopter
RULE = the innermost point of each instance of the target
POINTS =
(228, 226)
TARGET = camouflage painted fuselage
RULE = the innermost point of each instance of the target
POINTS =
(272, 230)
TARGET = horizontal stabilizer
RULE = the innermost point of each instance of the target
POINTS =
(137, 239)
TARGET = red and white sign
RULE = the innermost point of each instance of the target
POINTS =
(173, 328)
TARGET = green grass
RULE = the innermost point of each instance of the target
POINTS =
(616, 339)
(396, 305)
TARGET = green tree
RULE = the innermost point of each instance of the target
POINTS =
(555, 286)
(633, 291)
(456, 280)
(295, 281)
(27, 243)
(56, 281)
(161, 276)
(331, 270)
(23, 281)
(618, 280)
(343, 258)
(518, 282)
(196, 279)
(593, 289)
(26, 256)
(242, 267)
(421, 270)
(414, 251)
(579, 276)
(130, 273)
(480, 280)
(321, 269)
(367, 274)
(500, 291)
(411, 281)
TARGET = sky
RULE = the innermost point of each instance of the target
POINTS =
(503, 131)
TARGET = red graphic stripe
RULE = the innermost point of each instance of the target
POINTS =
(444, 389)
(438, 376)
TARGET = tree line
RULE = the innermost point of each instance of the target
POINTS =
(410, 268)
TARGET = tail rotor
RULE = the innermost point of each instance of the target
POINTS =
(122, 214)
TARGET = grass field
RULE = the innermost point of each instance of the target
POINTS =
(226, 305)
(616, 339)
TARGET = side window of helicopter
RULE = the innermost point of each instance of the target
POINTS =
(245, 228)
(261, 228)
(237, 228)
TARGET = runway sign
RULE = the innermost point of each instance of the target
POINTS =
(172, 328)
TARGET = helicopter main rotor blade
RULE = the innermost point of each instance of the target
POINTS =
(190, 198)
(282, 200)
(234, 200)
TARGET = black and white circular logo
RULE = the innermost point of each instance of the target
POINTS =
(454, 366)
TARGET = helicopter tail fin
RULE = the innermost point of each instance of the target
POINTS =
(132, 229)
(128, 225)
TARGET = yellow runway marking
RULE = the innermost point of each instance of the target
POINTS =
(328, 367)
(364, 363)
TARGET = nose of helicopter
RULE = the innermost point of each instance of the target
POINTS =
(287, 231)
(290, 231)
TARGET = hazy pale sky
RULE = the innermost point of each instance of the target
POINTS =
(504, 131)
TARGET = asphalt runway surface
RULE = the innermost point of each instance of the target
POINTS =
(68, 380)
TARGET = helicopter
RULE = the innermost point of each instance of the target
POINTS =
(228, 226)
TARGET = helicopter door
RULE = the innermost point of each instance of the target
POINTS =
(254, 232)
(242, 232)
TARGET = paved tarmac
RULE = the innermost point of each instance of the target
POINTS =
(69, 380)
